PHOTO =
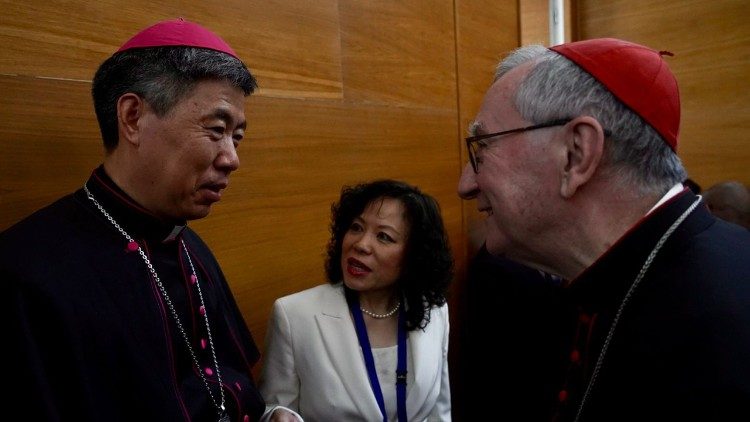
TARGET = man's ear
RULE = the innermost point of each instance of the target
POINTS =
(585, 147)
(130, 108)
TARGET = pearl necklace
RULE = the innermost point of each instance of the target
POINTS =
(625, 300)
(381, 316)
(133, 246)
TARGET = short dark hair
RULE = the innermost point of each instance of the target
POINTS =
(428, 263)
(161, 76)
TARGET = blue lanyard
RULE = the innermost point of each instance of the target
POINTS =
(364, 343)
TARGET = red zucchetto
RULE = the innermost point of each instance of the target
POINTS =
(177, 32)
(637, 75)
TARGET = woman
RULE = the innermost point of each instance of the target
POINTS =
(332, 352)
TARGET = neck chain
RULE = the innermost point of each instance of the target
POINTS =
(625, 300)
(381, 316)
(133, 246)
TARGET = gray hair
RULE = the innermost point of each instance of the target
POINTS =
(557, 88)
(161, 76)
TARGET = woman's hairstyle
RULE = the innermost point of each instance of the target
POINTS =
(428, 264)
(162, 76)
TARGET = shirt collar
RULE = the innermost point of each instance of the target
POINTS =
(672, 192)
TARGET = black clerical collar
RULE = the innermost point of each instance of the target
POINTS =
(136, 220)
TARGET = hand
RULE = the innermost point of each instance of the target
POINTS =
(281, 415)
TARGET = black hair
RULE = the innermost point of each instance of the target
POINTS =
(428, 263)
(161, 76)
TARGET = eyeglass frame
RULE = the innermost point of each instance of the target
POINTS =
(473, 139)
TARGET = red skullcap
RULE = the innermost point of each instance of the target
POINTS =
(177, 32)
(636, 75)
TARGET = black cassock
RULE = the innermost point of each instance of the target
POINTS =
(90, 336)
(681, 348)
(680, 351)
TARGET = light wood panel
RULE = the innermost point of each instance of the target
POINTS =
(710, 40)
(292, 47)
(49, 141)
(68, 40)
(399, 52)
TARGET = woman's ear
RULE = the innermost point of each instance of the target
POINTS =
(584, 146)
(130, 108)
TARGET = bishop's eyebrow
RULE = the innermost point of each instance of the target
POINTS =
(224, 115)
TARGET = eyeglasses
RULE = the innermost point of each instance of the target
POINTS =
(473, 142)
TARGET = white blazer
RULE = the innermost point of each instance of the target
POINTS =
(313, 363)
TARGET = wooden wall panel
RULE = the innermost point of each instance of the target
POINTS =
(49, 141)
(710, 40)
(68, 40)
(292, 47)
(399, 52)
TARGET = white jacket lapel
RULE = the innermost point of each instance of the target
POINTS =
(340, 341)
(427, 351)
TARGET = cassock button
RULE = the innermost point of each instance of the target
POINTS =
(562, 396)
(203, 343)
(575, 356)
(208, 371)
(193, 279)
